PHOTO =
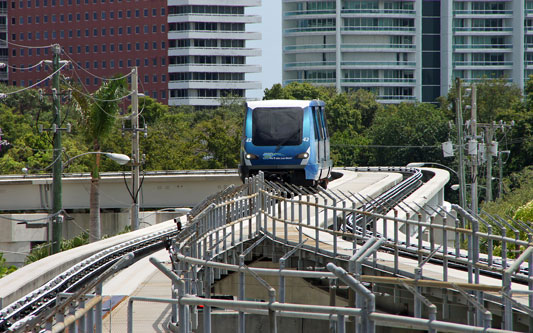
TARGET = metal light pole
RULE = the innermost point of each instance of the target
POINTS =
(460, 142)
(473, 151)
(57, 204)
(135, 151)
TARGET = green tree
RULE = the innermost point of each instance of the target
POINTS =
(407, 132)
(5, 269)
(98, 118)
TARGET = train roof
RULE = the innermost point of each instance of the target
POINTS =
(276, 103)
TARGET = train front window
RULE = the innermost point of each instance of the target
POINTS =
(277, 126)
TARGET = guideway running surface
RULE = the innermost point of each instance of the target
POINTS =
(140, 279)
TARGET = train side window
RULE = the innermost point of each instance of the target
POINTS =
(320, 124)
(316, 124)
(324, 122)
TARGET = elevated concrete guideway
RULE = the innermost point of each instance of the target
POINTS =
(159, 189)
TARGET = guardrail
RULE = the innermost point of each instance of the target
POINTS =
(298, 220)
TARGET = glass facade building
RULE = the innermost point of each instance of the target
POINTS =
(406, 50)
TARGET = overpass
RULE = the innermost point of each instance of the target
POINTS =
(421, 240)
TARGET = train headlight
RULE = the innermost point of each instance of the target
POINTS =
(303, 155)
(251, 156)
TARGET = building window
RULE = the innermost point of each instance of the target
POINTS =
(120, 64)
(154, 12)
(163, 11)
(95, 32)
(145, 11)
(111, 63)
(137, 47)
(111, 15)
(111, 47)
(129, 62)
(154, 45)
(78, 33)
(145, 28)
(163, 45)
(119, 14)
(120, 47)
(146, 79)
(137, 13)
(102, 15)
(95, 16)
(128, 13)
(154, 78)
(163, 78)
(137, 29)
(86, 32)
(163, 28)
(138, 62)
(128, 29)
(70, 17)
(103, 31)
(87, 81)
(29, 19)
(146, 47)
(62, 18)
(104, 48)
(78, 17)
(111, 31)
(95, 48)
(95, 66)
(104, 64)
(145, 62)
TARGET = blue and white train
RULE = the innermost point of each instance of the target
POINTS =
(287, 140)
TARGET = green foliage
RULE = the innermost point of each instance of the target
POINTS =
(5, 269)
(525, 213)
(42, 250)
(406, 133)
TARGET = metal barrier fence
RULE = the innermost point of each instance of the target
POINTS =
(308, 223)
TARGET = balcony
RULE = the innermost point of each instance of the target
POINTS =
(378, 64)
(221, 68)
(311, 64)
(470, 13)
(496, 48)
(478, 64)
(295, 13)
(487, 31)
(379, 12)
(223, 18)
(214, 51)
(379, 28)
(213, 84)
(313, 81)
(310, 48)
(292, 31)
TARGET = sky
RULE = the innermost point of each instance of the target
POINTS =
(270, 60)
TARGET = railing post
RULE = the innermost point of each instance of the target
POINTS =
(99, 309)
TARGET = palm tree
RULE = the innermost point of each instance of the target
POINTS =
(98, 115)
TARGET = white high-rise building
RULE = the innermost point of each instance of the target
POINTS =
(406, 50)
(207, 50)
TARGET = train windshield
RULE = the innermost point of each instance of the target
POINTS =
(277, 126)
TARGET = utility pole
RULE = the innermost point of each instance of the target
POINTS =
(135, 150)
(459, 123)
(473, 150)
(57, 204)
(489, 134)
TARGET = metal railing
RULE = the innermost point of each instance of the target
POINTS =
(311, 224)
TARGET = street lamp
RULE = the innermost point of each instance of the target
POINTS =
(119, 158)
(462, 190)
(57, 228)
